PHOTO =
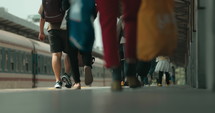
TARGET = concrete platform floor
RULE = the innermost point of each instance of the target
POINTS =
(153, 99)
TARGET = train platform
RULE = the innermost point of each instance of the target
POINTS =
(153, 99)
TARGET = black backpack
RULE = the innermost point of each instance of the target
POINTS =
(53, 11)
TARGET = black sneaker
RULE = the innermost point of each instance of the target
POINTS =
(58, 84)
(66, 78)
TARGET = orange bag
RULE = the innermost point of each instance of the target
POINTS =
(157, 33)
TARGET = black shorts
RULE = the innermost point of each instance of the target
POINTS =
(59, 41)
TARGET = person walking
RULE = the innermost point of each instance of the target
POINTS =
(57, 38)
(163, 66)
(109, 10)
(86, 56)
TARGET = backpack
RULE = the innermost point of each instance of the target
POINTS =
(53, 11)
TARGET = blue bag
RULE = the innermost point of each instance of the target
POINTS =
(81, 31)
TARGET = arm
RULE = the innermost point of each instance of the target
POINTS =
(41, 33)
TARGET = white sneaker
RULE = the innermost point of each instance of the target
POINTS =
(58, 84)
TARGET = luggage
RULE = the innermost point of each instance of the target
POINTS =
(157, 33)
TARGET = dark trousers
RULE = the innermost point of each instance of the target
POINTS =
(87, 61)
(161, 75)
(142, 70)
(73, 55)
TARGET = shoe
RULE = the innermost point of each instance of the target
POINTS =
(66, 78)
(133, 82)
(116, 86)
(58, 84)
(76, 86)
(88, 75)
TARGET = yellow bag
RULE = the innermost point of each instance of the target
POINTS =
(157, 33)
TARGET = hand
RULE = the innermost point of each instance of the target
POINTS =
(41, 36)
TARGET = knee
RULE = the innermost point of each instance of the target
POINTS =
(57, 55)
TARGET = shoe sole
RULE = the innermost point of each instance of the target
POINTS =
(88, 76)
(68, 82)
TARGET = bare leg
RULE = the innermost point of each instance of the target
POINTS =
(56, 65)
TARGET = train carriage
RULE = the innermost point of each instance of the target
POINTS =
(26, 63)
(15, 63)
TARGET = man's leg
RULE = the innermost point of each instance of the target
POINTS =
(56, 66)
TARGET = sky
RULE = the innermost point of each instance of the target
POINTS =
(24, 8)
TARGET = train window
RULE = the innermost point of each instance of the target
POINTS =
(1, 59)
(49, 65)
(26, 63)
(26, 67)
(41, 64)
(45, 69)
(38, 64)
(29, 63)
(17, 62)
(21, 61)
(12, 56)
(12, 66)
(45, 65)
(6, 61)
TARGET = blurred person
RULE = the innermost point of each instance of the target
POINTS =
(120, 36)
(172, 73)
(109, 10)
(163, 66)
(86, 56)
(143, 68)
(57, 38)
(151, 70)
